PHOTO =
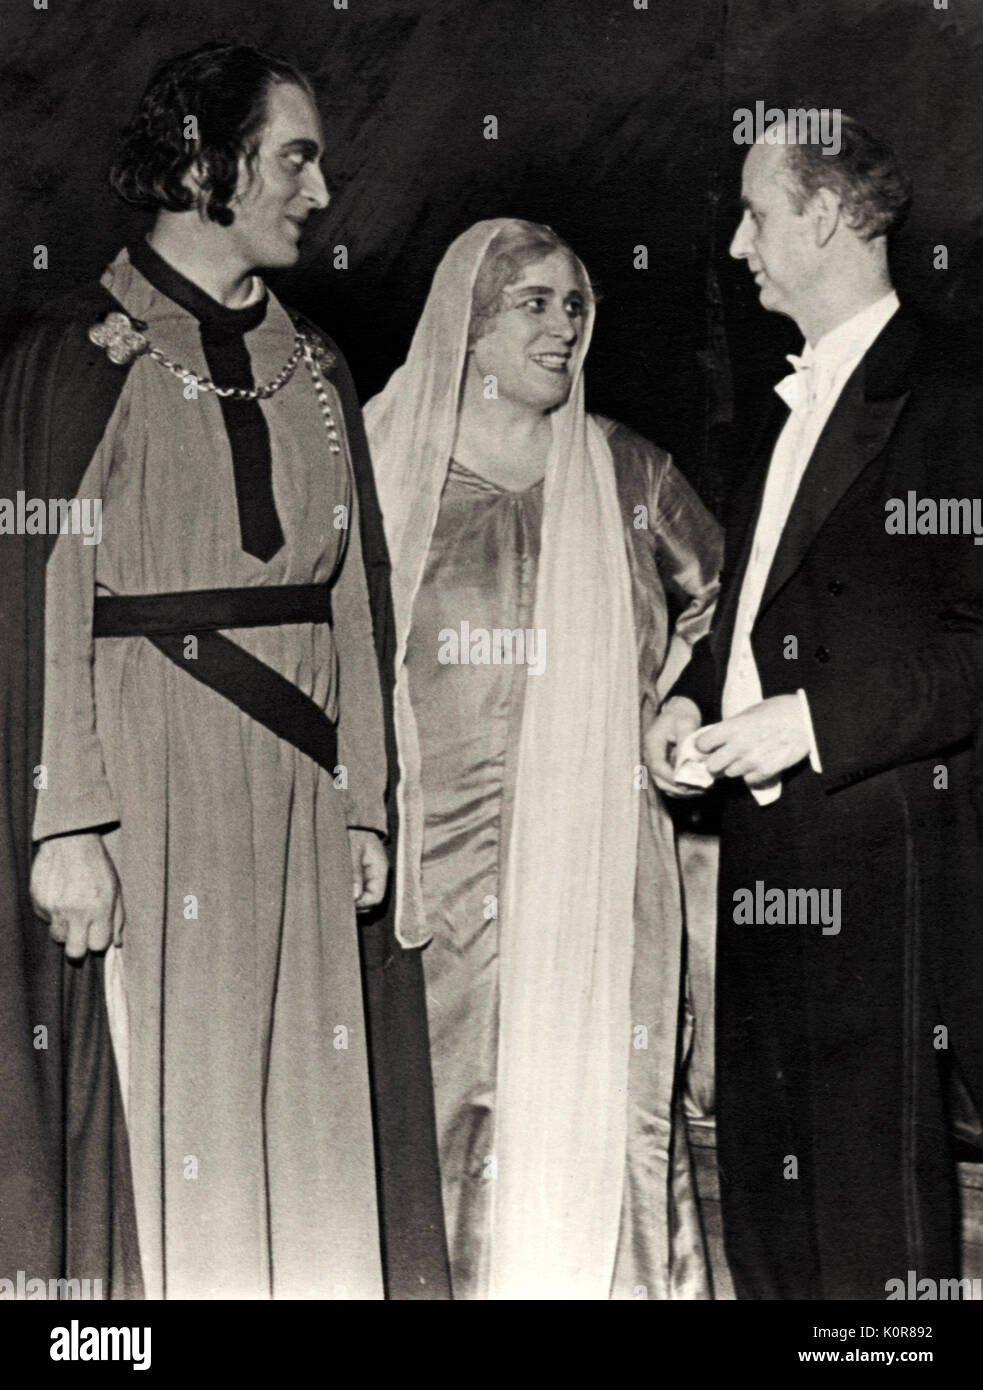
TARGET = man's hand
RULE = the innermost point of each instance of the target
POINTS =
(74, 887)
(678, 718)
(370, 868)
(759, 743)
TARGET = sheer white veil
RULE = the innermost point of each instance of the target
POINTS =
(566, 907)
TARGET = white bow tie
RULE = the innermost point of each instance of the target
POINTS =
(798, 390)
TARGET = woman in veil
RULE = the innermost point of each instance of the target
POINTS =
(536, 553)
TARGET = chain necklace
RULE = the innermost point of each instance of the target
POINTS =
(121, 337)
(314, 357)
(235, 393)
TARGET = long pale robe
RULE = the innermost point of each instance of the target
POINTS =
(482, 568)
(247, 1096)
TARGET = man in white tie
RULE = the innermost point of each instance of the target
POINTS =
(835, 705)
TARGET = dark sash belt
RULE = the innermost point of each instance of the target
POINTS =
(167, 620)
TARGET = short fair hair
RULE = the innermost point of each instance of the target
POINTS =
(865, 174)
(226, 88)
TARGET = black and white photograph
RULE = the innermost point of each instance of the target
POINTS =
(491, 670)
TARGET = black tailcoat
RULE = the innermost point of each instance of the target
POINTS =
(834, 1050)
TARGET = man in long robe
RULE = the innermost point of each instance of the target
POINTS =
(203, 728)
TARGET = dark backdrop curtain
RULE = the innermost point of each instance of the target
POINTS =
(614, 125)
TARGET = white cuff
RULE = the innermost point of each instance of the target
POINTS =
(813, 747)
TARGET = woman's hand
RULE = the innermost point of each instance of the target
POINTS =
(678, 719)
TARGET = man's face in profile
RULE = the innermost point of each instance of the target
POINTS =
(772, 237)
(283, 187)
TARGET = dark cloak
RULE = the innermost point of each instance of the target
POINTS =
(66, 1200)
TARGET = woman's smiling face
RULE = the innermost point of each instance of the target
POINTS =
(529, 346)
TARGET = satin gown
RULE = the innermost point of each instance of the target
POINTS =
(481, 570)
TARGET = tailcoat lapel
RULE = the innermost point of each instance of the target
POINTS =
(855, 433)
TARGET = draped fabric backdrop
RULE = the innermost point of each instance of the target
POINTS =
(614, 125)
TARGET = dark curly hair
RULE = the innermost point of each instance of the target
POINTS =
(225, 87)
(865, 174)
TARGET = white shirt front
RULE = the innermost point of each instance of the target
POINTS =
(811, 392)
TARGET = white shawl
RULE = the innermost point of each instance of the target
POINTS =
(566, 926)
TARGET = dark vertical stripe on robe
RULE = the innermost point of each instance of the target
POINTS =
(249, 439)
(223, 333)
